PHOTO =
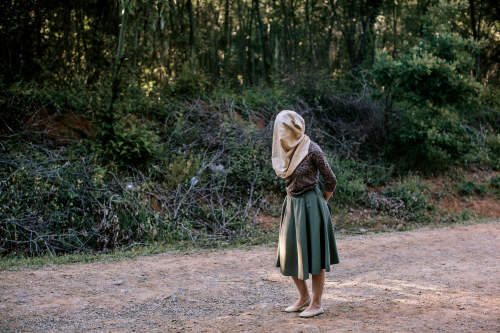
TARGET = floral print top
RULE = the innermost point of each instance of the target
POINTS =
(305, 177)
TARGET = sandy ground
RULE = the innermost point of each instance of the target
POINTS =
(441, 280)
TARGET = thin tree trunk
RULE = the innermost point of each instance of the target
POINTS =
(264, 42)
(476, 32)
(333, 17)
(310, 54)
(226, 37)
(191, 34)
(394, 28)
(250, 59)
(109, 116)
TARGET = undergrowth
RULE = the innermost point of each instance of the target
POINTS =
(198, 171)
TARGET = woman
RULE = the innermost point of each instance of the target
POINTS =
(306, 241)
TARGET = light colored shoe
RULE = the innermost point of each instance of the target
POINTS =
(293, 308)
(311, 313)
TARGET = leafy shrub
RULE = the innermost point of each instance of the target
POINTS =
(430, 72)
(76, 97)
(350, 185)
(494, 185)
(135, 100)
(429, 139)
(134, 142)
(493, 144)
(489, 112)
(469, 188)
(491, 187)
(260, 98)
(408, 199)
(310, 86)
(429, 96)
(189, 83)
(176, 169)
(248, 160)
(353, 178)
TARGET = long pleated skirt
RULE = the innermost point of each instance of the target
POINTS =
(306, 240)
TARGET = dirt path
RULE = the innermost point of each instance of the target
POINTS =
(441, 280)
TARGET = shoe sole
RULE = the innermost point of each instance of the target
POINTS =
(314, 314)
(298, 309)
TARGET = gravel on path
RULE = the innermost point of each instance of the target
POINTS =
(427, 280)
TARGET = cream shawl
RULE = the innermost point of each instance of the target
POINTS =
(290, 144)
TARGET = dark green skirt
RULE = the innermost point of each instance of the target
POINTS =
(306, 241)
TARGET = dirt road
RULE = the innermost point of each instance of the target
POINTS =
(440, 280)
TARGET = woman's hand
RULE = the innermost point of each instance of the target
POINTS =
(327, 195)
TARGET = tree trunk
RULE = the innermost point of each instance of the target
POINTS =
(226, 37)
(108, 118)
(191, 34)
(266, 57)
(476, 31)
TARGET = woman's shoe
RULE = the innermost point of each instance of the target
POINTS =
(311, 313)
(293, 308)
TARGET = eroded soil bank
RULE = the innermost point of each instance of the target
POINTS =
(439, 280)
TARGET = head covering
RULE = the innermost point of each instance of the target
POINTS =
(290, 144)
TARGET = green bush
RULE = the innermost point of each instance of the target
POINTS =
(494, 185)
(489, 112)
(415, 196)
(134, 142)
(75, 98)
(179, 168)
(470, 188)
(353, 178)
(493, 144)
(430, 139)
(431, 103)
(189, 83)
(434, 72)
(248, 160)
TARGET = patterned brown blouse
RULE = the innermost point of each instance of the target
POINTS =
(305, 177)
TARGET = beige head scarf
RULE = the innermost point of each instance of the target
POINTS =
(290, 144)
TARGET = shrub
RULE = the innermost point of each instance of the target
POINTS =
(356, 122)
(134, 142)
(431, 103)
(177, 168)
(189, 83)
(75, 98)
(248, 160)
(470, 188)
(408, 199)
(353, 178)
(494, 185)
(493, 144)
(430, 139)
(431, 72)
(351, 187)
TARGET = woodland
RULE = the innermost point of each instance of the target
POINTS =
(137, 122)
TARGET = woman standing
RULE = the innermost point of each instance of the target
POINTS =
(306, 241)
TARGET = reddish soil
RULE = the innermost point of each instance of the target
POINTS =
(485, 207)
(61, 127)
(429, 280)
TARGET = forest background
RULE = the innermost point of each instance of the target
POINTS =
(128, 123)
